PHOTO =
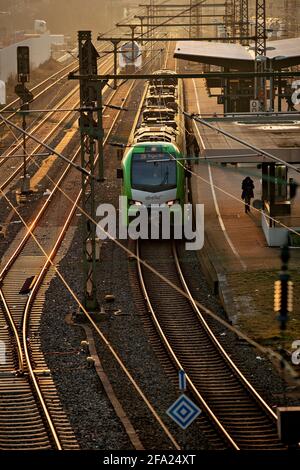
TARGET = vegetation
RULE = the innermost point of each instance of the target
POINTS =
(256, 290)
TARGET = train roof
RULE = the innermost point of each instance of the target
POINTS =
(163, 97)
(156, 134)
(158, 146)
(158, 110)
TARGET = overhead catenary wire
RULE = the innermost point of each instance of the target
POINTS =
(267, 351)
(50, 149)
(69, 65)
(270, 353)
(249, 340)
(146, 33)
(96, 327)
(269, 217)
(198, 176)
(259, 151)
(175, 16)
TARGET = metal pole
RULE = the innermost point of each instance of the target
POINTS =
(24, 150)
(101, 132)
(88, 131)
(271, 105)
(141, 18)
(279, 92)
(226, 93)
(115, 44)
(244, 32)
(132, 43)
(25, 187)
(148, 21)
(260, 49)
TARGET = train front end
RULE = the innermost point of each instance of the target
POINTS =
(153, 177)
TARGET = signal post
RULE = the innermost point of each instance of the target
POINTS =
(91, 132)
(26, 97)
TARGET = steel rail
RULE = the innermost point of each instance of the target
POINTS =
(174, 358)
(39, 146)
(22, 346)
(25, 322)
(38, 283)
(50, 113)
(254, 405)
(13, 327)
(43, 273)
(212, 336)
(38, 85)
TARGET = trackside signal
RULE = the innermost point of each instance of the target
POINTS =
(283, 291)
(23, 65)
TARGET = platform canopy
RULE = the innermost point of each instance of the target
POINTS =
(281, 139)
(285, 53)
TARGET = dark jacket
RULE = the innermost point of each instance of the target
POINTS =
(247, 187)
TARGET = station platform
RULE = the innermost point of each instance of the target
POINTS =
(236, 256)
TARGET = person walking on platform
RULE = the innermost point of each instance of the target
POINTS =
(247, 194)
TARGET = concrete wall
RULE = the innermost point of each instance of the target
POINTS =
(275, 236)
(40, 52)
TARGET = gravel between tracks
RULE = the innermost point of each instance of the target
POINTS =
(256, 367)
(83, 397)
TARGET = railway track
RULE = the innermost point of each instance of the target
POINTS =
(238, 413)
(31, 416)
(53, 80)
(46, 129)
(43, 87)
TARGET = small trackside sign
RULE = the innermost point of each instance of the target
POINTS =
(182, 380)
(183, 411)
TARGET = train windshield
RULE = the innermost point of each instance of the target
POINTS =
(153, 172)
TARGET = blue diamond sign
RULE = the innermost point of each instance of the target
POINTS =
(183, 411)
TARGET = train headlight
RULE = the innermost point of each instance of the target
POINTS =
(171, 203)
(135, 203)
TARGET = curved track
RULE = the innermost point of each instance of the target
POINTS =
(37, 421)
(45, 129)
(235, 409)
(45, 86)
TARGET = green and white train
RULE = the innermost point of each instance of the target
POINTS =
(153, 169)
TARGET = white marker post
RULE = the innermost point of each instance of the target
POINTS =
(182, 380)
